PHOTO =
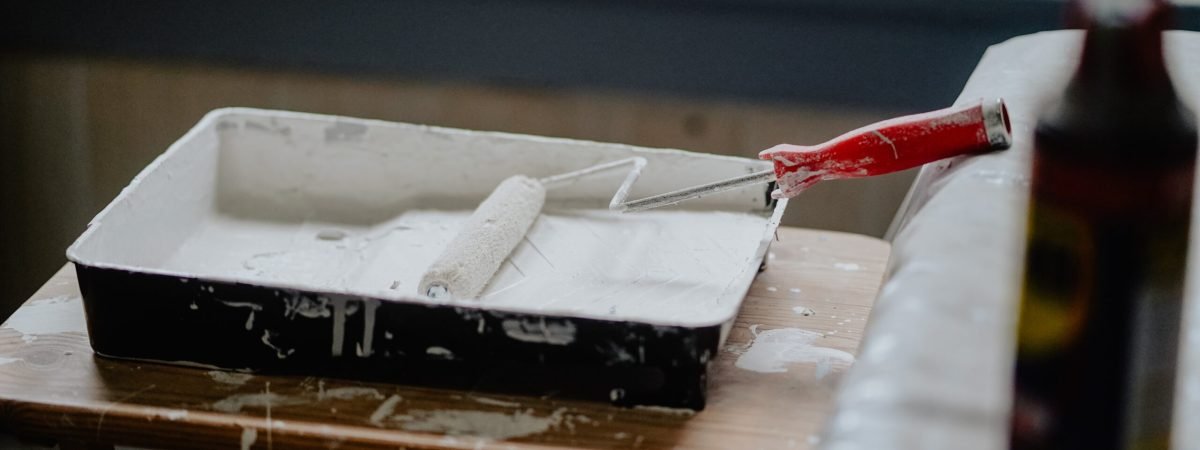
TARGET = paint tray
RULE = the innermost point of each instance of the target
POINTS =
(292, 243)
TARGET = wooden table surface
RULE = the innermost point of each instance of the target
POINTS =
(54, 389)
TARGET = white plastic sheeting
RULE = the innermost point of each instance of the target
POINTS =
(934, 370)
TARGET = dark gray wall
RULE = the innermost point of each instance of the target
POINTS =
(897, 54)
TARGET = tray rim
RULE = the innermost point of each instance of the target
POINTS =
(211, 118)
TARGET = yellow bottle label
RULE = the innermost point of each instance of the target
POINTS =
(1058, 281)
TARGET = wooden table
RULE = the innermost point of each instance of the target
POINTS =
(54, 389)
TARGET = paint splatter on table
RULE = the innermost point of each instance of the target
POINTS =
(54, 389)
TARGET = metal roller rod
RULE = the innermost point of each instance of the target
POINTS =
(619, 202)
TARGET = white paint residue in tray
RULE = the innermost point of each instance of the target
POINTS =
(667, 266)
(337, 205)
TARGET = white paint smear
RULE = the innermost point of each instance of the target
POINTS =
(4, 360)
(804, 311)
(773, 350)
(305, 307)
(236, 403)
(491, 425)
(666, 410)
(266, 340)
(494, 402)
(239, 402)
(62, 314)
(249, 435)
(556, 332)
(849, 267)
(369, 307)
(232, 378)
(339, 325)
(384, 410)
(174, 414)
(251, 306)
(348, 393)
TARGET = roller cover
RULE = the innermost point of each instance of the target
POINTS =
(490, 234)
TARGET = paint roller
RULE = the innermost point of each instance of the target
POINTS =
(498, 225)
(501, 221)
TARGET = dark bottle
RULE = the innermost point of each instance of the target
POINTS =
(1109, 211)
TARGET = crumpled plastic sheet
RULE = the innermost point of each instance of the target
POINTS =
(934, 369)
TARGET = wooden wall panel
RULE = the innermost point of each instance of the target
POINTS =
(44, 163)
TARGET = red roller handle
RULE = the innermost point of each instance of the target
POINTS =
(892, 145)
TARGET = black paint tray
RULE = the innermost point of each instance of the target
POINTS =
(292, 243)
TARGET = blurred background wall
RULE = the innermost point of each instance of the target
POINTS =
(91, 91)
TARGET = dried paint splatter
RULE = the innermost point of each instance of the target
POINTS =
(484, 424)
(849, 267)
(772, 351)
(62, 314)
(231, 378)
(249, 436)
(804, 311)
